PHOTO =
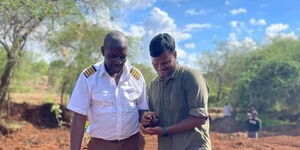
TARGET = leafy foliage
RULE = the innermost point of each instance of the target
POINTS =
(77, 47)
(269, 79)
(55, 108)
(19, 20)
(147, 72)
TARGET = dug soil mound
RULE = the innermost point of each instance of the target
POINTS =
(38, 115)
(225, 125)
(42, 116)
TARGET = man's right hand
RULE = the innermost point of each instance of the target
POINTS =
(147, 117)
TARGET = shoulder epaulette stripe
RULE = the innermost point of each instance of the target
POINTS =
(135, 73)
(93, 67)
(89, 71)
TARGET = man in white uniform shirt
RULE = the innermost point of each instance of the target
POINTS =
(111, 95)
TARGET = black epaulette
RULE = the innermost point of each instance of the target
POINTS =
(89, 71)
(135, 73)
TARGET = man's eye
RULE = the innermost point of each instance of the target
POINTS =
(169, 61)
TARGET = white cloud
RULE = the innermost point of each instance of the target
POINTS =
(261, 22)
(194, 12)
(136, 31)
(249, 43)
(240, 28)
(158, 22)
(279, 30)
(190, 45)
(195, 26)
(227, 3)
(181, 54)
(290, 35)
(276, 28)
(234, 24)
(102, 16)
(135, 4)
(193, 61)
(246, 44)
(238, 11)
(232, 37)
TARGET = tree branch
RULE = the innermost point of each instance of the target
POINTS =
(5, 46)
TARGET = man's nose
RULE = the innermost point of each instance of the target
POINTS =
(160, 67)
(119, 60)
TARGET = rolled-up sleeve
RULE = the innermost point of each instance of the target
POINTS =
(197, 94)
(81, 97)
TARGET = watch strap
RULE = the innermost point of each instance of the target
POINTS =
(165, 132)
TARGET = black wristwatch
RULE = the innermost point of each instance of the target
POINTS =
(164, 131)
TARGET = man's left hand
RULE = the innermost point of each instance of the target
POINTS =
(152, 130)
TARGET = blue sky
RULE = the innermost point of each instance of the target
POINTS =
(198, 25)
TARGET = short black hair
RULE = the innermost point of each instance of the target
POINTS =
(161, 43)
(113, 36)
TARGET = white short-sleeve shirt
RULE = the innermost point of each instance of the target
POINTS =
(112, 109)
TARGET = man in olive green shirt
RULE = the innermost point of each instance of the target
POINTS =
(178, 96)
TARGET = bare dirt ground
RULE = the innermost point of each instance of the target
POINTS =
(33, 138)
(36, 135)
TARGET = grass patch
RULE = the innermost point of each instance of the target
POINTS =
(273, 122)
(7, 127)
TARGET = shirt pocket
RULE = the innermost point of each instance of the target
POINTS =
(130, 95)
(103, 102)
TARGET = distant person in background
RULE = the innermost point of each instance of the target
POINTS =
(227, 110)
(253, 124)
(252, 109)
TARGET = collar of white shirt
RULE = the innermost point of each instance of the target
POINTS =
(125, 74)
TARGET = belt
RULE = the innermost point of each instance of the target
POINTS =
(116, 141)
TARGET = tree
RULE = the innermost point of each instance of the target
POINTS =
(19, 20)
(2, 59)
(221, 68)
(270, 78)
(30, 72)
(77, 46)
(147, 72)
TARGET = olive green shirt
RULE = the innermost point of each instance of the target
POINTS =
(184, 94)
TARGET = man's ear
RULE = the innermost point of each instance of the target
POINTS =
(175, 54)
(102, 50)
